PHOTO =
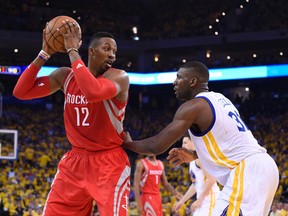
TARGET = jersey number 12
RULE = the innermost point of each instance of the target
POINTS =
(82, 116)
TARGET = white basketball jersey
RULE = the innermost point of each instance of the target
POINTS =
(227, 141)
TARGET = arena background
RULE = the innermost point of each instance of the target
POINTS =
(221, 34)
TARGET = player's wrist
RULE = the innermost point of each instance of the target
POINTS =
(44, 55)
(200, 199)
(72, 49)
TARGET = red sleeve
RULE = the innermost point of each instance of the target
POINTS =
(29, 87)
(94, 89)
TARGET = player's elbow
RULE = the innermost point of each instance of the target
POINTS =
(18, 94)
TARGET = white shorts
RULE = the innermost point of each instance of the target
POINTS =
(250, 188)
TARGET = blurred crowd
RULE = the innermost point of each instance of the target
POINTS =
(159, 19)
(25, 182)
(164, 20)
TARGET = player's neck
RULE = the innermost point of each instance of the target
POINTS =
(152, 160)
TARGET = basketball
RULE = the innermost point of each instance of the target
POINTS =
(53, 38)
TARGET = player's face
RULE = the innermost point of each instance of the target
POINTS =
(188, 144)
(182, 85)
(105, 53)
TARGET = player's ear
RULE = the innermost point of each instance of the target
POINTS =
(92, 50)
(193, 81)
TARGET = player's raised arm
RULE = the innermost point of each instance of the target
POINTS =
(30, 86)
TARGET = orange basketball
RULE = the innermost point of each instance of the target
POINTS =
(53, 38)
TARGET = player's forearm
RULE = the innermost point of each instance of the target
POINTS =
(73, 54)
(189, 193)
(207, 188)
(149, 146)
(94, 89)
(137, 195)
(171, 189)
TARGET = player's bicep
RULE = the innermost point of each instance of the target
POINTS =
(121, 81)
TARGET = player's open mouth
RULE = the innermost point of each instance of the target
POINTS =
(109, 63)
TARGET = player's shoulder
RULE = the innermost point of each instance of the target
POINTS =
(141, 163)
(114, 73)
(191, 104)
(160, 163)
(116, 70)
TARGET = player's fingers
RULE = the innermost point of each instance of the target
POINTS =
(70, 25)
(67, 25)
(174, 161)
(77, 28)
(172, 151)
(60, 32)
(171, 155)
(176, 208)
(80, 43)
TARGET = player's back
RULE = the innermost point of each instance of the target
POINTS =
(228, 140)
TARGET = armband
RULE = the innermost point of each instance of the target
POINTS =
(72, 49)
(43, 55)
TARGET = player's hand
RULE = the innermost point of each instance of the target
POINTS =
(139, 210)
(177, 206)
(195, 205)
(45, 45)
(127, 137)
(178, 156)
(72, 36)
(179, 196)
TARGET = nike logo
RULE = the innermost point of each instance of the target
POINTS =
(125, 207)
(64, 157)
(79, 66)
(41, 84)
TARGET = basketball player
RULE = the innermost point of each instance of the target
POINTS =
(204, 186)
(225, 146)
(148, 175)
(97, 168)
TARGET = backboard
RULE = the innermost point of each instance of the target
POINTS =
(8, 144)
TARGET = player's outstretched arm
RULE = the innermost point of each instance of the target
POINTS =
(188, 113)
(168, 136)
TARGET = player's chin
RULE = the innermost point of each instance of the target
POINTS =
(176, 95)
(104, 69)
(107, 66)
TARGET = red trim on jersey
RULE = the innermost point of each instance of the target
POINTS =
(94, 89)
